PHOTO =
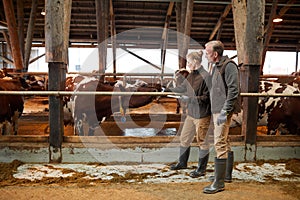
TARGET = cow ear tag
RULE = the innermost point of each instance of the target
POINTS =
(123, 119)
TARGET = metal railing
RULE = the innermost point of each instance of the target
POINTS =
(67, 93)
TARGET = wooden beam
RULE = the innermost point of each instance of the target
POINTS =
(167, 20)
(13, 34)
(141, 58)
(7, 60)
(239, 10)
(54, 32)
(29, 35)
(36, 58)
(20, 16)
(56, 56)
(286, 8)
(270, 26)
(113, 33)
(102, 30)
(165, 36)
(6, 38)
(220, 21)
(66, 30)
(250, 73)
(180, 16)
(268, 32)
(185, 30)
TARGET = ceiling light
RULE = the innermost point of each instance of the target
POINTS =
(3, 27)
(277, 19)
(43, 12)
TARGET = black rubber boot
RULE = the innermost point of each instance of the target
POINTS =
(229, 168)
(202, 163)
(183, 159)
(218, 183)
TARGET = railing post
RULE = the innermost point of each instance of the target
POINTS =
(250, 83)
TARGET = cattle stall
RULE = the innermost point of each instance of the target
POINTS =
(136, 135)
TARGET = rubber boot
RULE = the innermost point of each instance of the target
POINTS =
(202, 163)
(229, 168)
(183, 159)
(218, 184)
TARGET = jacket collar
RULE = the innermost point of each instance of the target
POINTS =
(221, 62)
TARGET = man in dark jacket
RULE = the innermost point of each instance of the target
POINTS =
(196, 95)
(224, 95)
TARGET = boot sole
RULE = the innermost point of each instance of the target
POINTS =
(196, 176)
(215, 191)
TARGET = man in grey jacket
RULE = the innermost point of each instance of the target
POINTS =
(224, 95)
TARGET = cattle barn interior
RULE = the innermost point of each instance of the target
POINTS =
(156, 25)
(211, 20)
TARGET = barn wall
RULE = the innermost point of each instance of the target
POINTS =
(38, 153)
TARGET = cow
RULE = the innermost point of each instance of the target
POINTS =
(37, 83)
(12, 106)
(90, 110)
(279, 114)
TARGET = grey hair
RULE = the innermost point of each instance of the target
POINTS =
(217, 46)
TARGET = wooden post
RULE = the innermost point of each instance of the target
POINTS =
(297, 58)
(29, 35)
(113, 37)
(4, 53)
(20, 16)
(56, 56)
(102, 30)
(239, 10)
(186, 32)
(250, 73)
(180, 16)
(66, 31)
(13, 34)
(164, 39)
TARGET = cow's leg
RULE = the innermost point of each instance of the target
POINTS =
(7, 128)
(2, 128)
(15, 124)
(178, 107)
(78, 127)
(91, 131)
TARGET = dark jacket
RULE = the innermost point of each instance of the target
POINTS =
(195, 87)
(225, 86)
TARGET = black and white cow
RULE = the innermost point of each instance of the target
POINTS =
(279, 114)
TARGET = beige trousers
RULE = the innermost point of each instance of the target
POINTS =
(198, 127)
(221, 139)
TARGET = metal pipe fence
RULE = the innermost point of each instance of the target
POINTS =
(67, 93)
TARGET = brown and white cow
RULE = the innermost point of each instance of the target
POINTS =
(90, 110)
(279, 114)
(11, 106)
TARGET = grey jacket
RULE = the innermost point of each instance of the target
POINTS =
(225, 86)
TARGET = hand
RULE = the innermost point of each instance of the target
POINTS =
(164, 89)
(185, 98)
(222, 117)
